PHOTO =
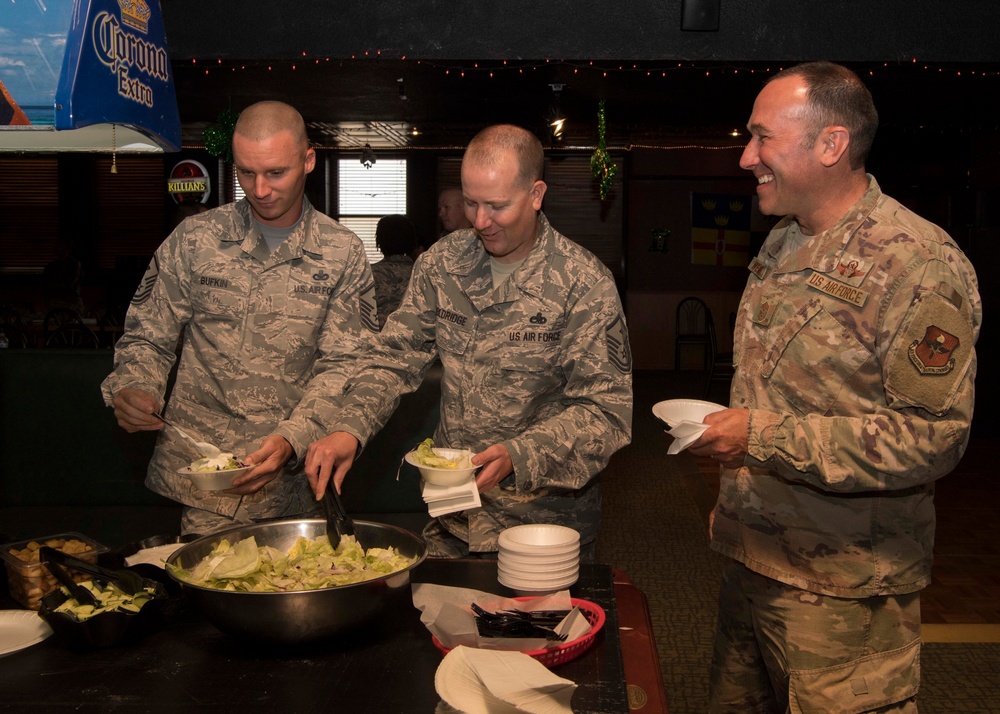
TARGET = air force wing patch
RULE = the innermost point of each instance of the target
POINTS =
(147, 283)
(619, 351)
(368, 308)
(932, 353)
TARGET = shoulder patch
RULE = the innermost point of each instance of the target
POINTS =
(929, 360)
(619, 351)
(932, 354)
(367, 307)
(145, 288)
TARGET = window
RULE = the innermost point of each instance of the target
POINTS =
(366, 195)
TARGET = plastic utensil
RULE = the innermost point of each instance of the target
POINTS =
(202, 447)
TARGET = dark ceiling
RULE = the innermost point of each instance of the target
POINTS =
(462, 65)
(350, 103)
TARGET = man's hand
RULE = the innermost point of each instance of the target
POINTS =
(725, 440)
(134, 411)
(267, 461)
(496, 463)
(331, 456)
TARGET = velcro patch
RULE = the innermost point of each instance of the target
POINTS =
(368, 308)
(145, 288)
(929, 359)
(619, 351)
(837, 289)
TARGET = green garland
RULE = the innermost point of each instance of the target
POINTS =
(219, 138)
(601, 165)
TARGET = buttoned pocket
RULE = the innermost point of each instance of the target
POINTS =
(218, 298)
(811, 358)
(452, 338)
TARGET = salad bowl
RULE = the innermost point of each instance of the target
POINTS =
(300, 616)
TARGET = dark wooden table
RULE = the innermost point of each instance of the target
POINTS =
(189, 665)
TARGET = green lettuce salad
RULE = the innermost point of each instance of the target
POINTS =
(308, 565)
(426, 456)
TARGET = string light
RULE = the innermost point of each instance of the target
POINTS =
(707, 69)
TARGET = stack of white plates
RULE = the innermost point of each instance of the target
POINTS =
(538, 557)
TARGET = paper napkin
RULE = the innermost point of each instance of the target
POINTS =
(447, 499)
(685, 434)
(500, 682)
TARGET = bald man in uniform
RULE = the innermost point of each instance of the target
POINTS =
(268, 302)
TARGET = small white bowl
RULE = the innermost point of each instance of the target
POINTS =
(540, 568)
(539, 538)
(444, 477)
(213, 480)
(558, 560)
(534, 585)
(549, 574)
(674, 411)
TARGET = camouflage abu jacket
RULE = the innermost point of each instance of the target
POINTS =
(392, 275)
(856, 358)
(540, 364)
(266, 339)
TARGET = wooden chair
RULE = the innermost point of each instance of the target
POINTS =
(693, 318)
(73, 334)
(720, 368)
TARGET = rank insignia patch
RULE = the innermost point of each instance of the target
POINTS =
(619, 351)
(367, 308)
(933, 353)
(148, 282)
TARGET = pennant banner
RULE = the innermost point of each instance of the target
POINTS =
(720, 229)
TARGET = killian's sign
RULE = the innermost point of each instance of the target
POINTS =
(189, 182)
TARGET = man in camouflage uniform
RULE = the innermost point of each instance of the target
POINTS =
(451, 210)
(270, 301)
(396, 238)
(853, 393)
(537, 367)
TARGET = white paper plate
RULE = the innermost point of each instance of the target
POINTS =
(213, 480)
(674, 411)
(20, 629)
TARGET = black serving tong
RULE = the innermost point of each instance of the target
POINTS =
(76, 591)
(338, 523)
(128, 581)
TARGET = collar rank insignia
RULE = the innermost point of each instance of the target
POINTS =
(933, 353)
(762, 316)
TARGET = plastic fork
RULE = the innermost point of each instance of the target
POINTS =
(202, 447)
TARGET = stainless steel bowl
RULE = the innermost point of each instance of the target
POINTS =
(305, 616)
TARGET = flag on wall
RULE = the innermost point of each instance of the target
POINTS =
(720, 229)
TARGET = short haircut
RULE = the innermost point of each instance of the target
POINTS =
(837, 96)
(265, 119)
(491, 145)
(395, 235)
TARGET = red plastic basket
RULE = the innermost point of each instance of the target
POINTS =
(565, 651)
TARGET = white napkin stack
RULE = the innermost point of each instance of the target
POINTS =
(447, 499)
(685, 433)
(477, 681)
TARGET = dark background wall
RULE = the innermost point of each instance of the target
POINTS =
(633, 29)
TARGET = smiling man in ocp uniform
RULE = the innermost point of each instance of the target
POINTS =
(853, 392)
